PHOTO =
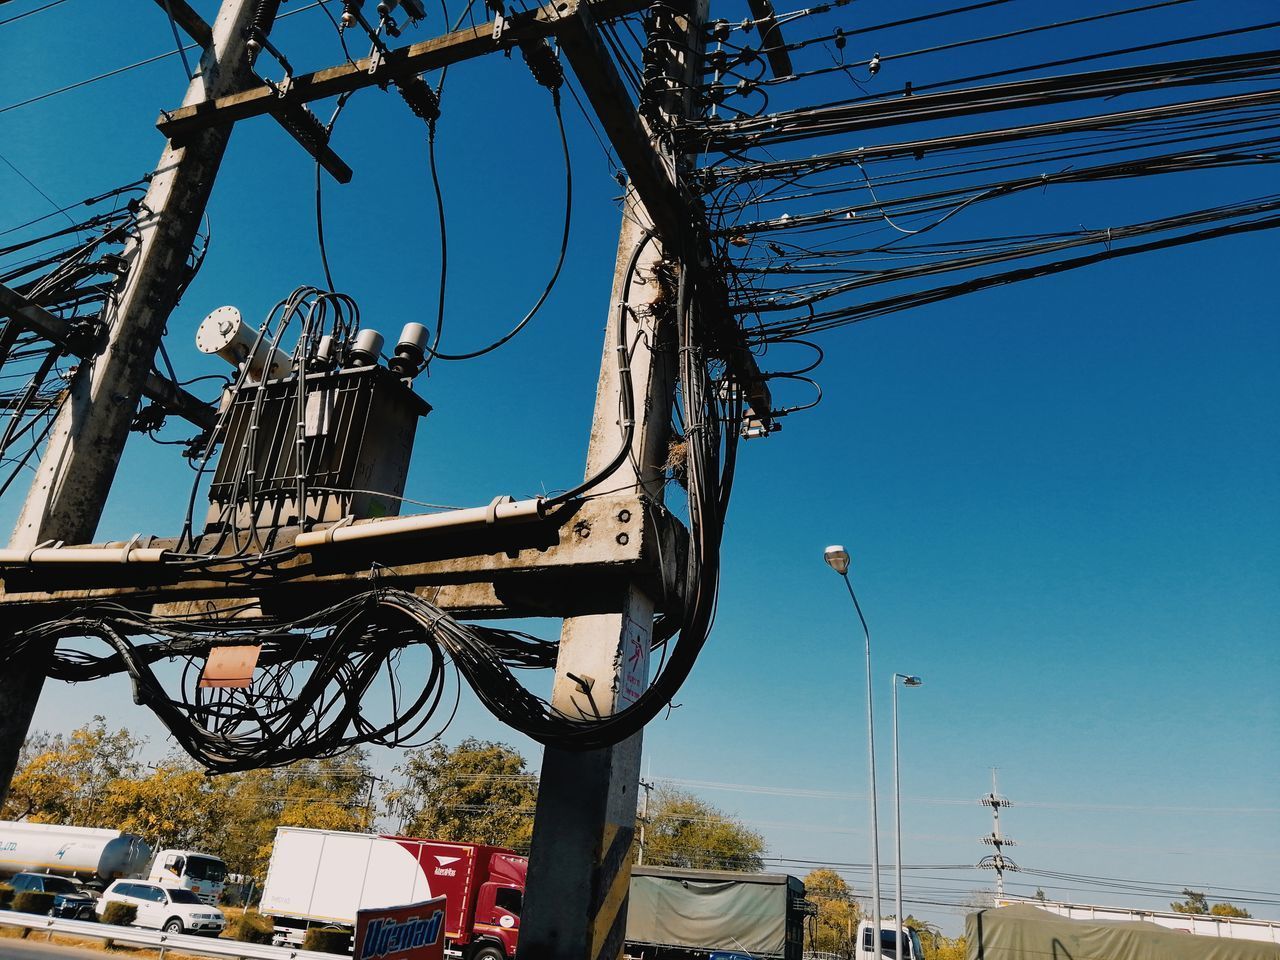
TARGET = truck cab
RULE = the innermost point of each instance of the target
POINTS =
(911, 948)
(497, 916)
(202, 873)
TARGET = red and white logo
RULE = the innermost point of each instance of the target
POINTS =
(444, 868)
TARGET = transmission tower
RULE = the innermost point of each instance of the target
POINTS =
(997, 861)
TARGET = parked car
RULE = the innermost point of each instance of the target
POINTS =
(165, 908)
(69, 899)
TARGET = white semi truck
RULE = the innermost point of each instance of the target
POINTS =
(99, 856)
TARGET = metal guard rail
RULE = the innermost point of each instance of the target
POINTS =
(158, 939)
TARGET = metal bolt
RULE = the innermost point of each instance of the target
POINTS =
(582, 528)
(622, 539)
(624, 516)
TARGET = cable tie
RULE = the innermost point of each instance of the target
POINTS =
(26, 562)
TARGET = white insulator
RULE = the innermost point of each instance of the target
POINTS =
(225, 333)
(366, 349)
(413, 340)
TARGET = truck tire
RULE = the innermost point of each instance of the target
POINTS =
(488, 951)
(173, 925)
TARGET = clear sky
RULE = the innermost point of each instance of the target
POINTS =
(1060, 497)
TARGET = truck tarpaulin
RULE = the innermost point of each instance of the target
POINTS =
(411, 932)
(710, 910)
(1015, 933)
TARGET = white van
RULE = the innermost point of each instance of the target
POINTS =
(911, 949)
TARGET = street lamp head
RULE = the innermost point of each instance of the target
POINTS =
(911, 681)
(837, 558)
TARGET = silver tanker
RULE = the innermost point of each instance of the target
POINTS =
(82, 852)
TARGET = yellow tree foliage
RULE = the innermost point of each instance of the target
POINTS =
(176, 806)
(91, 779)
(1229, 910)
(834, 928)
(64, 779)
(936, 946)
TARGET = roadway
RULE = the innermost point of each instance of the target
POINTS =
(36, 948)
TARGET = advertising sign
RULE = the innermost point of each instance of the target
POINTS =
(412, 932)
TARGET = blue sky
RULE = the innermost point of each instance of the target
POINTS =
(1059, 496)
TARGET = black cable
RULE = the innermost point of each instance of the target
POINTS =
(555, 273)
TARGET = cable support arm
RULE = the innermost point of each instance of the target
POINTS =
(442, 51)
(53, 328)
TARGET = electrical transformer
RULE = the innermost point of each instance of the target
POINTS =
(324, 437)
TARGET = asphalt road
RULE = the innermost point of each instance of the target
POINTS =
(35, 948)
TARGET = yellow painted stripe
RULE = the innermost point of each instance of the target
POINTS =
(602, 923)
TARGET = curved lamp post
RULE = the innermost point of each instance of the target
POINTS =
(837, 558)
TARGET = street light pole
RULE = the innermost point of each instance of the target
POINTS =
(838, 559)
(909, 681)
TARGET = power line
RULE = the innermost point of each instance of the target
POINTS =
(53, 203)
(20, 16)
(133, 66)
(957, 801)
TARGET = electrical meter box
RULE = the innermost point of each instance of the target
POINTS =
(316, 448)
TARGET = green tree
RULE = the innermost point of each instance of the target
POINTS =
(685, 831)
(835, 927)
(478, 792)
(1195, 902)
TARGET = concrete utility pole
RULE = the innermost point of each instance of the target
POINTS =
(586, 810)
(587, 800)
(70, 489)
(647, 787)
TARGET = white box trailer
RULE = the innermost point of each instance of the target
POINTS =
(327, 876)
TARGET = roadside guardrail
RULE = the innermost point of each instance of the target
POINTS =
(160, 940)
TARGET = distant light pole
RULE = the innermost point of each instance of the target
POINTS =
(837, 559)
(907, 681)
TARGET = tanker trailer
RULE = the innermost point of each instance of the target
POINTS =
(94, 856)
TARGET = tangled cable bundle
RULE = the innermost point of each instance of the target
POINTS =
(308, 695)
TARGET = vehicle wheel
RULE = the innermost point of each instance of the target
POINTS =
(86, 913)
(173, 925)
(488, 952)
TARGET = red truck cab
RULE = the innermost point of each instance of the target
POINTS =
(483, 888)
(496, 918)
